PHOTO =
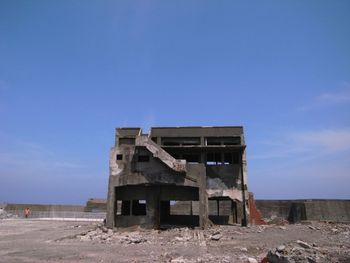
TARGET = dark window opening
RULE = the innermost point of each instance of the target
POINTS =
(126, 141)
(125, 208)
(214, 159)
(134, 207)
(213, 141)
(228, 158)
(143, 158)
(192, 158)
(223, 140)
(231, 141)
(154, 139)
(235, 158)
(178, 141)
(139, 207)
(119, 157)
(171, 144)
(191, 141)
(176, 156)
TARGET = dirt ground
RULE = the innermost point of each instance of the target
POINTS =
(59, 241)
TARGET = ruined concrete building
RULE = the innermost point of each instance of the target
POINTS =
(178, 175)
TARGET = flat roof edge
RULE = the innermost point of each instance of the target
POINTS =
(191, 127)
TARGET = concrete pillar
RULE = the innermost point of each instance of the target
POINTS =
(244, 189)
(111, 206)
(203, 198)
(153, 207)
(202, 141)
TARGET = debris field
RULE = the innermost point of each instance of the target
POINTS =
(62, 241)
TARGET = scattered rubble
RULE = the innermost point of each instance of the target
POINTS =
(104, 235)
(291, 252)
(303, 252)
(216, 236)
(304, 243)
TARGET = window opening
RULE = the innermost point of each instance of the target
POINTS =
(125, 208)
(227, 158)
(178, 141)
(223, 140)
(235, 158)
(213, 159)
(192, 158)
(143, 158)
(139, 207)
(127, 141)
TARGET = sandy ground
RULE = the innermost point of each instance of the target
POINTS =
(58, 241)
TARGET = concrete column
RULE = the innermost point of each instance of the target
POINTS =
(110, 223)
(245, 218)
(153, 206)
(203, 198)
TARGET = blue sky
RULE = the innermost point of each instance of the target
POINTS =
(72, 71)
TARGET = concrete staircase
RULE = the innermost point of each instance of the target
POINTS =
(158, 152)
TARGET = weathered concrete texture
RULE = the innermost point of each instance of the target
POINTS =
(299, 210)
(149, 172)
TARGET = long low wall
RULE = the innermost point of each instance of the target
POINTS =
(50, 208)
(311, 209)
(292, 210)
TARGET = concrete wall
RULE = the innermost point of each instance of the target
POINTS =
(329, 210)
(223, 176)
(274, 208)
(49, 208)
(96, 205)
(296, 210)
(196, 131)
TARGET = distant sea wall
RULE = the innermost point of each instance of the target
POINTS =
(292, 210)
(45, 208)
(311, 209)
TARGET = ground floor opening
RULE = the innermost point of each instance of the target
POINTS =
(223, 211)
(156, 206)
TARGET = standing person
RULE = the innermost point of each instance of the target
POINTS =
(26, 212)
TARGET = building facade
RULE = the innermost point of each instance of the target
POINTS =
(178, 176)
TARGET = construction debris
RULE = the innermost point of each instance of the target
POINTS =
(51, 241)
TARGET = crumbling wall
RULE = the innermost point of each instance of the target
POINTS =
(313, 209)
(255, 214)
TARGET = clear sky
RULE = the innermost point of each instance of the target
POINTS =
(72, 71)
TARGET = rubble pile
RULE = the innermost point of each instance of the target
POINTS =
(102, 234)
(304, 252)
(305, 243)
(299, 251)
